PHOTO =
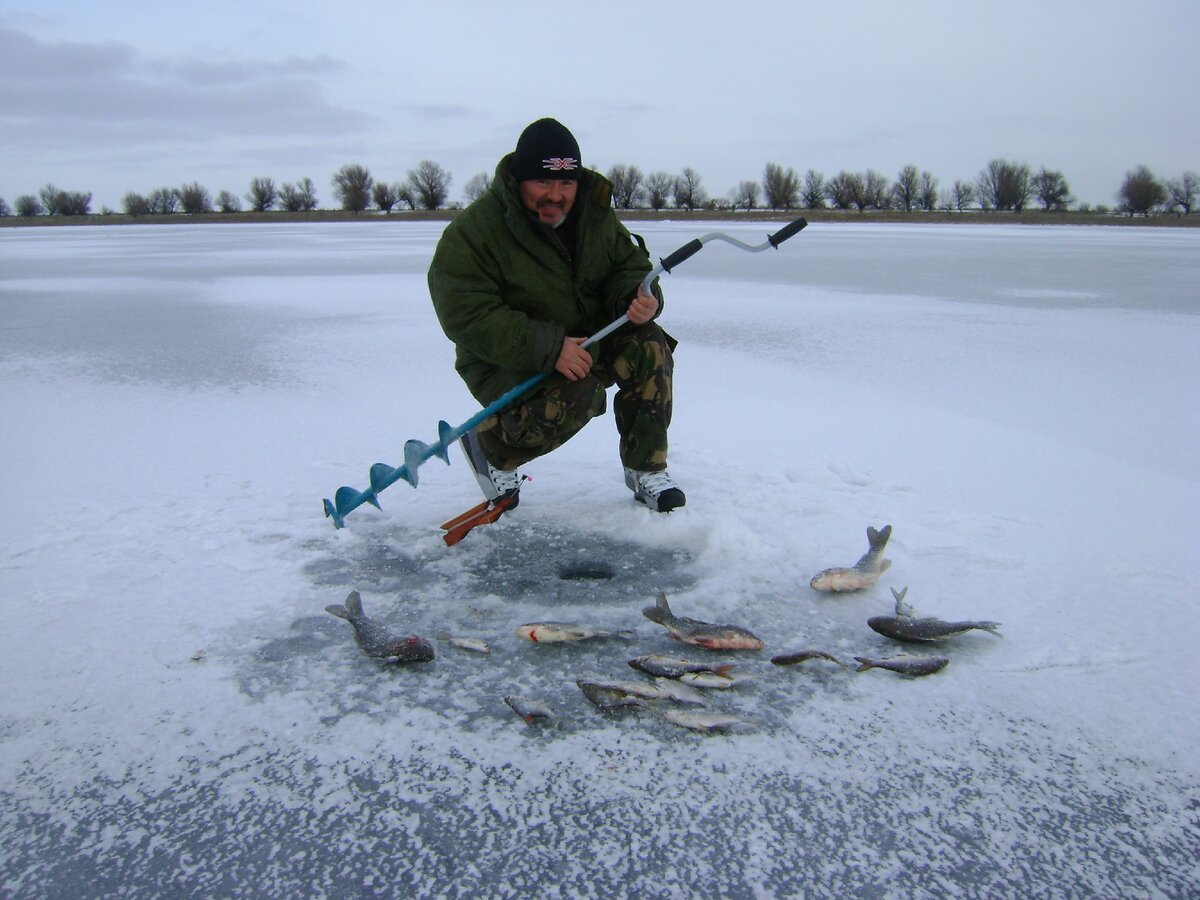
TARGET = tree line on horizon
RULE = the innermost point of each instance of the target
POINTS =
(1002, 185)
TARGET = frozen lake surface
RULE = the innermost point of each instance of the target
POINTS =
(181, 717)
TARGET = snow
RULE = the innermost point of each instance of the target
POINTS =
(180, 716)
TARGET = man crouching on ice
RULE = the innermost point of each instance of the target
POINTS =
(519, 280)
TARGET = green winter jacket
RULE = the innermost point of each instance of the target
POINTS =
(506, 292)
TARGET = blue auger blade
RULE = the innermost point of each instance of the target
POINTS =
(347, 498)
(382, 476)
(345, 501)
(415, 453)
(447, 435)
(332, 513)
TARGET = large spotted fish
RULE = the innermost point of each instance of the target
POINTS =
(375, 640)
(906, 625)
(700, 634)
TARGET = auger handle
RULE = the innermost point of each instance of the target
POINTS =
(787, 231)
(689, 249)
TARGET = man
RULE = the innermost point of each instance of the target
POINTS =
(519, 280)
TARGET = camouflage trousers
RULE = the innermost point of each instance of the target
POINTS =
(638, 361)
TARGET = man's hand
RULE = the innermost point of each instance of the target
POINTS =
(574, 362)
(643, 307)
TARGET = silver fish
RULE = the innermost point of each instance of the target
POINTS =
(679, 691)
(700, 634)
(791, 659)
(560, 632)
(905, 665)
(660, 689)
(375, 640)
(475, 645)
(863, 573)
(530, 710)
(708, 722)
(711, 680)
(607, 697)
(905, 625)
(643, 689)
(673, 667)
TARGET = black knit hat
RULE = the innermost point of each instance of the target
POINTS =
(545, 151)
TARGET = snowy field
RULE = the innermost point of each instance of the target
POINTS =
(180, 717)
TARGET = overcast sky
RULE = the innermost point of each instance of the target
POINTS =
(111, 97)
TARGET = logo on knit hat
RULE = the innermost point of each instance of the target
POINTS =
(560, 164)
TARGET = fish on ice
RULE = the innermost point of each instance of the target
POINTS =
(863, 573)
(707, 722)
(700, 634)
(906, 625)
(659, 689)
(608, 697)
(565, 632)
(679, 691)
(674, 667)
(905, 665)
(791, 659)
(475, 645)
(375, 639)
(532, 711)
(713, 681)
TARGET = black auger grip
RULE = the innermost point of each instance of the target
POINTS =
(690, 248)
(786, 232)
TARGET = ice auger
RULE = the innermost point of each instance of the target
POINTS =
(417, 452)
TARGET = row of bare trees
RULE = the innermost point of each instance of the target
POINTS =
(427, 187)
(1001, 185)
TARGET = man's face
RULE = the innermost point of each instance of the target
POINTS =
(550, 200)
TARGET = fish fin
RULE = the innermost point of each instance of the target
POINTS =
(884, 565)
(877, 539)
(659, 611)
(903, 610)
(354, 603)
(338, 610)
(724, 670)
(864, 664)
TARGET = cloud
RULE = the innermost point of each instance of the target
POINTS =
(110, 89)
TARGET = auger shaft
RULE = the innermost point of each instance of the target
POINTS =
(416, 453)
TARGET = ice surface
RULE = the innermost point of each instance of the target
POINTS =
(181, 717)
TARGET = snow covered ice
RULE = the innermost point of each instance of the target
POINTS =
(181, 717)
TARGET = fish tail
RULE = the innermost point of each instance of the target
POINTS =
(660, 612)
(864, 664)
(338, 610)
(877, 539)
(900, 596)
(354, 604)
(990, 628)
